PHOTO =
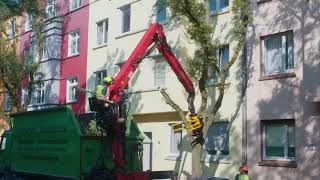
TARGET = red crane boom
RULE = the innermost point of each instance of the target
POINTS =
(153, 38)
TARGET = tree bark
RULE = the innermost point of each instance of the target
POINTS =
(196, 162)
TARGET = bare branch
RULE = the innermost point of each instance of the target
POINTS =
(176, 107)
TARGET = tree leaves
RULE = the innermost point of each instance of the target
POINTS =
(14, 68)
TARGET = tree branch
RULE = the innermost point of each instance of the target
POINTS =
(221, 88)
(189, 13)
(176, 107)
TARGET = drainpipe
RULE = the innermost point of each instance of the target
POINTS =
(244, 105)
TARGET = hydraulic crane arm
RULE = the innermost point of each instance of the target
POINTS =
(153, 38)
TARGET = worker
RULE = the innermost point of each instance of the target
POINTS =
(102, 93)
(243, 175)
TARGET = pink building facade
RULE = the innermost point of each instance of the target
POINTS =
(64, 57)
(283, 93)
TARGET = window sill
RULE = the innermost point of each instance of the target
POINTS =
(72, 56)
(72, 102)
(278, 163)
(36, 105)
(263, 1)
(100, 46)
(215, 83)
(173, 157)
(224, 159)
(277, 76)
(220, 12)
(129, 33)
(163, 23)
(75, 9)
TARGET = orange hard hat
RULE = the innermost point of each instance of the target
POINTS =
(244, 168)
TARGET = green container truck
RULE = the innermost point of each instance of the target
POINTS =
(48, 144)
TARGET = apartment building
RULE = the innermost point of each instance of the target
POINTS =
(115, 28)
(64, 55)
(283, 93)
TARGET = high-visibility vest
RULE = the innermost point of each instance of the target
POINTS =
(242, 176)
(100, 90)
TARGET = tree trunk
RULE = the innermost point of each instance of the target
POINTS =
(196, 162)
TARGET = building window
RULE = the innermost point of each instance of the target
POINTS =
(278, 53)
(6, 101)
(278, 139)
(24, 95)
(218, 6)
(74, 4)
(126, 13)
(72, 95)
(44, 49)
(27, 23)
(74, 43)
(222, 55)
(159, 72)
(12, 28)
(161, 11)
(102, 32)
(99, 76)
(27, 57)
(51, 8)
(175, 140)
(40, 93)
(217, 142)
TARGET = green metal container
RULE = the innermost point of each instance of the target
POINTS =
(49, 143)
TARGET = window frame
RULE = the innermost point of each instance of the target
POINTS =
(70, 39)
(174, 155)
(40, 88)
(158, 12)
(105, 24)
(24, 96)
(288, 73)
(219, 155)
(160, 61)
(51, 6)
(218, 10)
(45, 54)
(6, 101)
(100, 73)
(27, 23)
(73, 84)
(218, 54)
(78, 3)
(122, 9)
(286, 160)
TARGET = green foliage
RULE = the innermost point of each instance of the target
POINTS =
(92, 130)
(196, 15)
(14, 68)
(241, 17)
